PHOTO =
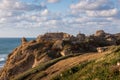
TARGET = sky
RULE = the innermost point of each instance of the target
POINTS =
(30, 18)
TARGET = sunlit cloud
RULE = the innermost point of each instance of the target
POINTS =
(40, 16)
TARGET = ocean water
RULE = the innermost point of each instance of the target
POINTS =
(6, 47)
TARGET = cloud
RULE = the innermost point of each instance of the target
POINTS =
(45, 12)
(19, 6)
(53, 1)
(86, 16)
(96, 14)
(95, 8)
(93, 5)
(102, 13)
(15, 10)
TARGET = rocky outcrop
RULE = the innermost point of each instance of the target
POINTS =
(51, 46)
(26, 57)
(100, 33)
(53, 36)
(101, 38)
(58, 45)
(31, 53)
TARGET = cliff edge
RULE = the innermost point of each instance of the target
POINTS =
(50, 47)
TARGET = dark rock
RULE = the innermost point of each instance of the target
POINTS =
(81, 37)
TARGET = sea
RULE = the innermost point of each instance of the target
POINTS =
(6, 47)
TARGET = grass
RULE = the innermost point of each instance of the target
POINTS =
(40, 68)
(70, 72)
(100, 69)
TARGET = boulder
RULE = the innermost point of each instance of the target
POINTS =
(100, 33)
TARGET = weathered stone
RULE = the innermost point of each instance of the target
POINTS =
(23, 40)
(30, 54)
(81, 37)
(100, 33)
(53, 36)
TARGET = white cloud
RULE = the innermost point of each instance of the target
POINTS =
(45, 12)
(16, 11)
(86, 15)
(2, 20)
(95, 14)
(19, 6)
(53, 1)
(92, 5)
(96, 8)
(104, 13)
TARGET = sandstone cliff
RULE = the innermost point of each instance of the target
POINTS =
(52, 46)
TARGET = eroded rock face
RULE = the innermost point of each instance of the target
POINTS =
(58, 44)
(32, 53)
(50, 46)
(26, 57)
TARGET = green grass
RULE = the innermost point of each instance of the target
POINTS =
(66, 75)
(40, 68)
(99, 69)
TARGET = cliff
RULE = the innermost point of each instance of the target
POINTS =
(34, 57)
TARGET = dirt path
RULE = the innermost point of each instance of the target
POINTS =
(68, 63)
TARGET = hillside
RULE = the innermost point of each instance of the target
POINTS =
(60, 56)
(88, 66)
(105, 67)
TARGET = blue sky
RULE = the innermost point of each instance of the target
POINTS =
(30, 18)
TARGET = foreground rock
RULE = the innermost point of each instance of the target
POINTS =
(31, 53)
